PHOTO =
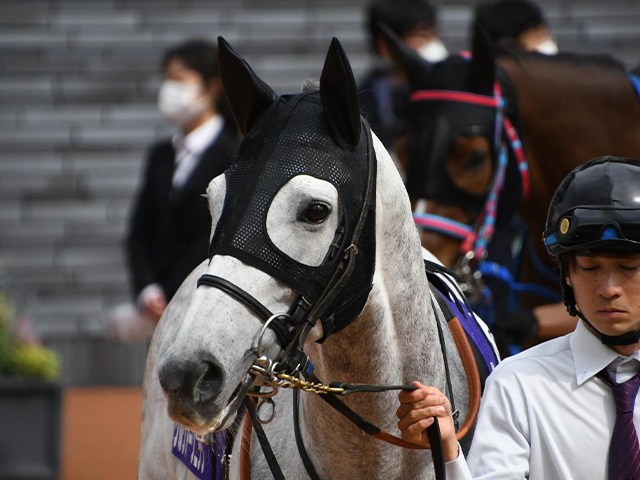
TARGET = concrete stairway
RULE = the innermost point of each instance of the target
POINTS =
(78, 82)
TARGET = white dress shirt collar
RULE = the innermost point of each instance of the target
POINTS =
(591, 355)
(189, 148)
(196, 141)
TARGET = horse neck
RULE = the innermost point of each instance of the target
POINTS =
(395, 339)
(398, 307)
(570, 112)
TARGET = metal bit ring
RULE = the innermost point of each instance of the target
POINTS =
(264, 401)
(264, 329)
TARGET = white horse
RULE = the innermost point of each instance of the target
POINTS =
(206, 341)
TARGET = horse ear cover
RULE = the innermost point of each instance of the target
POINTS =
(408, 61)
(339, 96)
(317, 133)
(483, 66)
(247, 94)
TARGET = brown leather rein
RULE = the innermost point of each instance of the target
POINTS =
(473, 382)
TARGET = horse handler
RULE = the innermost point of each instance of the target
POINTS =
(565, 408)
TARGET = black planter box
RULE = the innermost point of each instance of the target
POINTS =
(30, 412)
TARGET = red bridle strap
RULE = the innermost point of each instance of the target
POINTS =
(453, 96)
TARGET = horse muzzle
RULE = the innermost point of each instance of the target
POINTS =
(193, 387)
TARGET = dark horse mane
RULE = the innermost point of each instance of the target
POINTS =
(578, 59)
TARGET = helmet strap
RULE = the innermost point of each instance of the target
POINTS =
(628, 338)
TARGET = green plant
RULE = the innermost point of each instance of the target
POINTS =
(34, 361)
(19, 358)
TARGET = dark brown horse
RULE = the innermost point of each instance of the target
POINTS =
(566, 109)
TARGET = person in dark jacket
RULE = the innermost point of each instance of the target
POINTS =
(383, 91)
(518, 24)
(170, 223)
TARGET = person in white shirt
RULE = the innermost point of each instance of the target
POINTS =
(565, 408)
(170, 223)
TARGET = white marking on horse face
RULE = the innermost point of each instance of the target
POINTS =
(304, 242)
(216, 192)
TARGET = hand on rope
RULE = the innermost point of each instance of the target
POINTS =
(417, 411)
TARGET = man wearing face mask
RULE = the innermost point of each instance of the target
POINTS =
(170, 223)
(383, 91)
(518, 24)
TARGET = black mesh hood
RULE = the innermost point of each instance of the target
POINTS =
(292, 138)
(434, 127)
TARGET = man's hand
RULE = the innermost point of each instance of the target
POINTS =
(416, 412)
(153, 304)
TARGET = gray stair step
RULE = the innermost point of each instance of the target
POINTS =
(17, 235)
(31, 38)
(89, 19)
(94, 256)
(90, 211)
(27, 164)
(17, 15)
(51, 187)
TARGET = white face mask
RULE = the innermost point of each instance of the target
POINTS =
(180, 102)
(548, 47)
(433, 51)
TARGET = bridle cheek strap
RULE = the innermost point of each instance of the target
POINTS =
(477, 238)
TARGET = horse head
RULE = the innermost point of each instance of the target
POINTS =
(293, 236)
(453, 145)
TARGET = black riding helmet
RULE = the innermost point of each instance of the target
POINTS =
(596, 206)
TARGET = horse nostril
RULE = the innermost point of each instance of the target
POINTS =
(173, 376)
(197, 380)
(210, 382)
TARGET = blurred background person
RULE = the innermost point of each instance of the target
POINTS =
(516, 24)
(170, 224)
(383, 90)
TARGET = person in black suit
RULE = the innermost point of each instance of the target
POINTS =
(170, 222)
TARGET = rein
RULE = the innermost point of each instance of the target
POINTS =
(329, 394)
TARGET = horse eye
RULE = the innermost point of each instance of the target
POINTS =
(315, 213)
(476, 159)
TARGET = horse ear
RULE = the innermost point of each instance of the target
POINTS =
(483, 65)
(339, 96)
(406, 59)
(247, 94)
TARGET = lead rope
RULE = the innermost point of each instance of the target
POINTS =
(473, 381)
(272, 461)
